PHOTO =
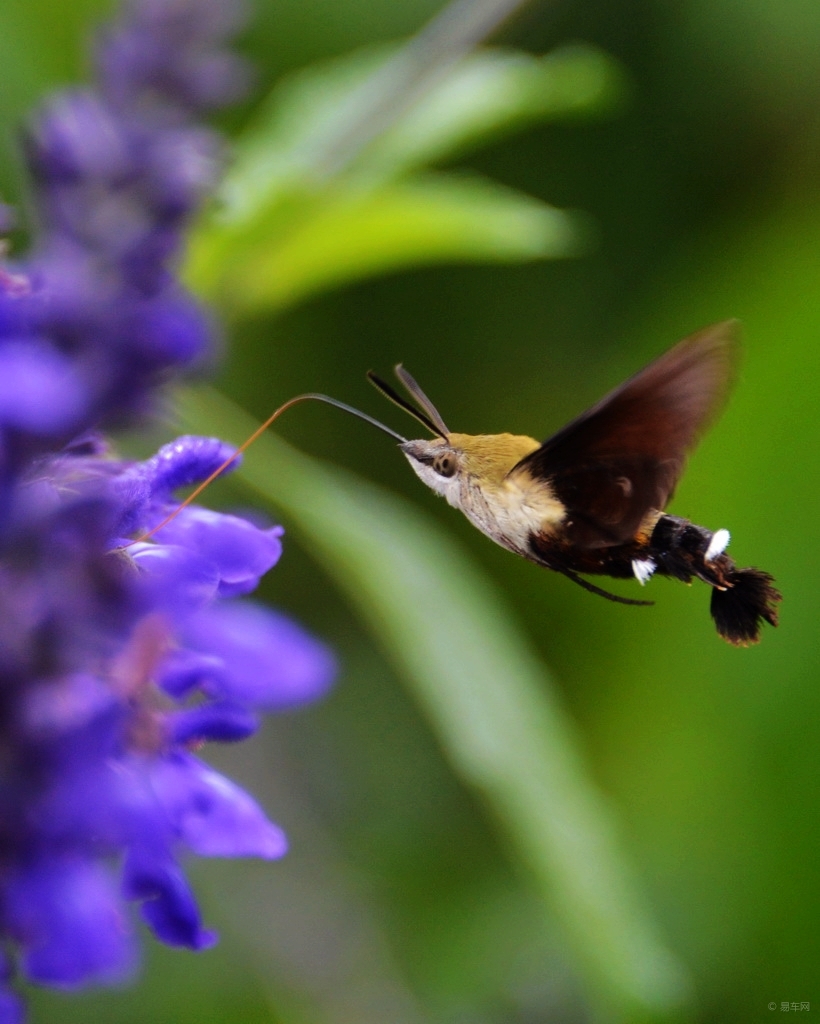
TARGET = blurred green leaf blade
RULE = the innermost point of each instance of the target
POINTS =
(491, 93)
(425, 220)
(291, 222)
(487, 697)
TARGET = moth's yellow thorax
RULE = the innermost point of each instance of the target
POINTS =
(490, 457)
(507, 506)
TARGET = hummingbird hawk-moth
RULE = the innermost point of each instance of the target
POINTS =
(591, 499)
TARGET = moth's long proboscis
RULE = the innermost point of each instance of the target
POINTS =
(250, 440)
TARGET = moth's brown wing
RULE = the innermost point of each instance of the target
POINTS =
(623, 457)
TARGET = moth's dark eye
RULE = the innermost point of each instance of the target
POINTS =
(445, 465)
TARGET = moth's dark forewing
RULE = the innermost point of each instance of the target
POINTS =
(606, 502)
(623, 457)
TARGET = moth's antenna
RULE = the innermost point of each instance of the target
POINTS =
(414, 390)
(249, 441)
(402, 403)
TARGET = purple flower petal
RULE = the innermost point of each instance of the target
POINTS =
(269, 661)
(184, 166)
(52, 709)
(12, 1010)
(222, 722)
(214, 817)
(169, 905)
(182, 672)
(241, 551)
(79, 137)
(173, 328)
(187, 460)
(40, 389)
(68, 917)
(176, 577)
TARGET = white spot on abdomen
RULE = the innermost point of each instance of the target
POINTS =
(717, 545)
(643, 569)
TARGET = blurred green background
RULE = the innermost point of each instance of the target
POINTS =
(406, 898)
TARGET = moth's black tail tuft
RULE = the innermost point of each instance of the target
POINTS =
(749, 600)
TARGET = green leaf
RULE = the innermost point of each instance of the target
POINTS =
(487, 92)
(486, 695)
(292, 222)
(429, 219)
(490, 93)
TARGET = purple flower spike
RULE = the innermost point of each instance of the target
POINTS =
(120, 170)
(94, 643)
(119, 658)
(172, 50)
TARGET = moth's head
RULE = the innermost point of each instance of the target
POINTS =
(449, 459)
(438, 463)
(484, 459)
